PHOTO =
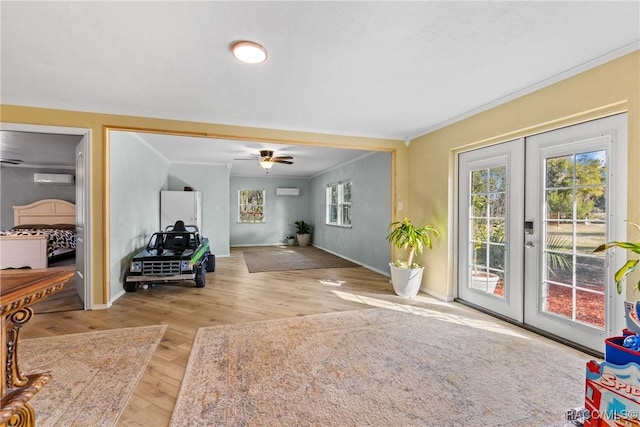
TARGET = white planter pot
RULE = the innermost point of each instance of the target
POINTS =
(406, 281)
(303, 239)
(484, 281)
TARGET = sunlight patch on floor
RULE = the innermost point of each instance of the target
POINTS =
(330, 282)
(438, 315)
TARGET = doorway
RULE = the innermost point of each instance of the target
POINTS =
(531, 212)
(82, 193)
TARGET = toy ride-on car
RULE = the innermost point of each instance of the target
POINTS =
(176, 254)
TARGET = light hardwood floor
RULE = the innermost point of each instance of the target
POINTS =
(232, 295)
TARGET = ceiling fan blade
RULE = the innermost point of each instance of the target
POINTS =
(286, 162)
(7, 161)
(283, 158)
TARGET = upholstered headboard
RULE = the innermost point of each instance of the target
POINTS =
(46, 211)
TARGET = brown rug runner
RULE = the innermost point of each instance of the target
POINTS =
(94, 373)
(378, 367)
(292, 258)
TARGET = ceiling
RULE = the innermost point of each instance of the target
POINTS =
(39, 149)
(376, 69)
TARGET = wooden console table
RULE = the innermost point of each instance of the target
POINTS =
(18, 290)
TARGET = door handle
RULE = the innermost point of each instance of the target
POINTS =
(529, 245)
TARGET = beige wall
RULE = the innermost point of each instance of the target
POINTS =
(610, 88)
(98, 123)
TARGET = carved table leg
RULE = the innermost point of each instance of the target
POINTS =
(14, 322)
(25, 416)
(15, 410)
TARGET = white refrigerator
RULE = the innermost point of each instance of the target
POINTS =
(183, 205)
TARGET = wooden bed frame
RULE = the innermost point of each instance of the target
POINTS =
(31, 251)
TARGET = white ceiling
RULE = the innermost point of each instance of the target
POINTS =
(307, 161)
(382, 69)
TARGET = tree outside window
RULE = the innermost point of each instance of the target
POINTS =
(339, 203)
(250, 206)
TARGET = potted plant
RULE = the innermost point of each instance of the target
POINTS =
(303, 232)
(291, 240)
(625, 349)
(406, 276)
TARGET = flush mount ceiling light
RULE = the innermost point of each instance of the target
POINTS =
(249, 52)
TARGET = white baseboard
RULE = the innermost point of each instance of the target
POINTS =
(437, 295)
(115, 298)
(100, 306)
(384, 273)
(261, 244)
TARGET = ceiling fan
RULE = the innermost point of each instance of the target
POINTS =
(8, 161)
(266, 159)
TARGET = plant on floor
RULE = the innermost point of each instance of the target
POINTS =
(406, 276)
(303, 227)
(631, 265)
(304, 232)
(404, 235)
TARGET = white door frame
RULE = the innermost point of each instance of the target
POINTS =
(86, 133)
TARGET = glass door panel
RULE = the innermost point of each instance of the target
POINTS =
(575, 224)
(487, 225)
(486, 243)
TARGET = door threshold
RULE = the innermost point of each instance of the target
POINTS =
(537, 331)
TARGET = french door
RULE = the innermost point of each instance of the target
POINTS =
(490, 244)
(531, 212)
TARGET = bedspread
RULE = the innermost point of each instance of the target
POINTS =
(56, 238)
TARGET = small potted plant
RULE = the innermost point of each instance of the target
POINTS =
(406, 276)
(303, 232)
(291, 240)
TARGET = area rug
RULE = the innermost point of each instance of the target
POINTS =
(377, 367)
(94, 373)
(292, 258)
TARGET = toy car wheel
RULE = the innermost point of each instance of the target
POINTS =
(201, 276)
(211, 263)
(129, 286)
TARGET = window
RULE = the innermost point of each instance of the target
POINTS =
(250, 206)
(339, 203)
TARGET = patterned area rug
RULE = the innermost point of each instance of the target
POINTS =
(94, 373)
(292, 258)
(378, 367)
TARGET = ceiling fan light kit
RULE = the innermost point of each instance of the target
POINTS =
(266, 159)
(267, 164)
(249, 52)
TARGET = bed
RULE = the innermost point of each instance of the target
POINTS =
(42, 231)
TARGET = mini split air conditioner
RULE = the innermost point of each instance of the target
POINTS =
(287, 191)
(53, 178)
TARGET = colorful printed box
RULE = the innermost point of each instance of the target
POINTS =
(612, 395)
